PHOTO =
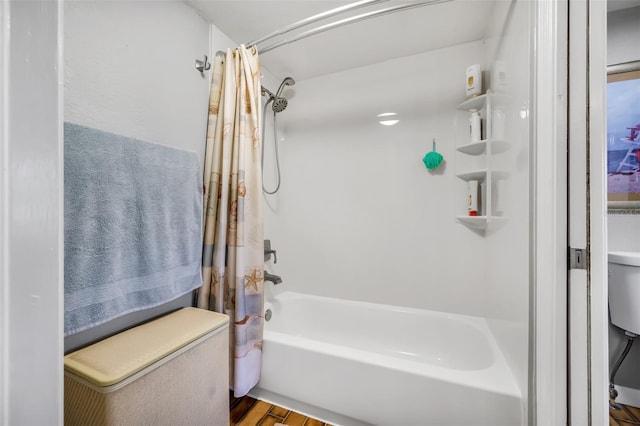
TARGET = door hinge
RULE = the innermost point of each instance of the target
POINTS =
(577, 258)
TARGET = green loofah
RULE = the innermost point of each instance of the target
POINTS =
(433, 159)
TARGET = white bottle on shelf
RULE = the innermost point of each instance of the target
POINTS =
(475, 126)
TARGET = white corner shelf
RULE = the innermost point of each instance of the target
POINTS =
(478, 148)
(487, 147)
(479, 175)
(473, 148)
(481, 223)
(480, 101)
(477, 102)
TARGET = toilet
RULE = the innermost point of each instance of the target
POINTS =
(624, 290)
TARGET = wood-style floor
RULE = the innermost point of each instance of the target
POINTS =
(626, 416)
(248, 411)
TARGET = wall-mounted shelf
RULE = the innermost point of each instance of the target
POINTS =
(488, 147)
(477, 102)
(481, 101)
(481, 222)
(481, 175)
(478, 148)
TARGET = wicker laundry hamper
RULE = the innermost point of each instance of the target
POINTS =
(171, 371)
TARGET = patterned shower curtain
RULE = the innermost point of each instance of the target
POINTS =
(233, 250)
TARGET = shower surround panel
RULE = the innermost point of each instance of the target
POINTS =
(359, 216)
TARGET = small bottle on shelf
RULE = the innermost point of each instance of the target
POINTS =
(475, 126)
(472, 198)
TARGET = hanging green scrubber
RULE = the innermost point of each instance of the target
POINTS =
(433, 159)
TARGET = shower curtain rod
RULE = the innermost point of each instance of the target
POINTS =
(351, 20)
(315, 18)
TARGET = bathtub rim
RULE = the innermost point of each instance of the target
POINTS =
(288, 294)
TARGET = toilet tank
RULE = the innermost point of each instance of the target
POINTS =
(624, 290)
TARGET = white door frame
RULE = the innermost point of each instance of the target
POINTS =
(587, 299)
(31, 212)
(578, 279)
(598, 298)
(574, 217)
(547, 384)
(4, 204)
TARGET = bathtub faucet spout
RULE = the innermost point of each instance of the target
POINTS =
(275, 279)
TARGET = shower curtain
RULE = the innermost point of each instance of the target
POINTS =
(233, 247)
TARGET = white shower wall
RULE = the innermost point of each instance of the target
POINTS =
(508, 248)
(360, 217)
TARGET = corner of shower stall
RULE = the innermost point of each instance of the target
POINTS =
(364, 231)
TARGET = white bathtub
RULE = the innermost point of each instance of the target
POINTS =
(384, 365)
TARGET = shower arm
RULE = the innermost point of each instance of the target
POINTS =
(268, 92)
(346, 21)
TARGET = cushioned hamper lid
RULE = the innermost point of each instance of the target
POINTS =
(114, 359)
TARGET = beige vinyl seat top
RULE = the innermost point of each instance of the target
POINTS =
(118, 357)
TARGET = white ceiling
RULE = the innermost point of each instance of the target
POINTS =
(370, 41)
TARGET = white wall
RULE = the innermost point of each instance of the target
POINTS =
(358, 215)
(30, 213)
(623, 36)
(129, 70)
(220, 41)
(623, 45)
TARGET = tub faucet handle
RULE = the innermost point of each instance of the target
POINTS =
(268, 251)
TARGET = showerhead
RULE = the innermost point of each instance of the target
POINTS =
(288, 81)
(279, 104)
